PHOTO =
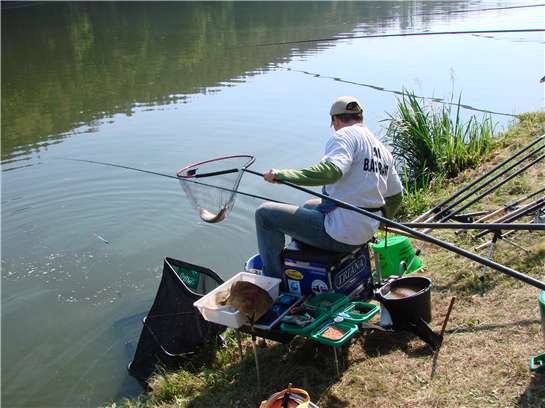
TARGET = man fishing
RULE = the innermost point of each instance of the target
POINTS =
(356, 168)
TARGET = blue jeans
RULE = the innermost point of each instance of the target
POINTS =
(306, 224)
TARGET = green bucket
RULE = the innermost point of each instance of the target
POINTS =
(392, 252)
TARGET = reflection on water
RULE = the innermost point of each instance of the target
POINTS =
(159, 85)
(69, 64)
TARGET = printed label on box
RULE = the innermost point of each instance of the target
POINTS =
(294, 287)
(319, 286)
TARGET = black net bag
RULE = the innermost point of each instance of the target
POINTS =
(174, 330)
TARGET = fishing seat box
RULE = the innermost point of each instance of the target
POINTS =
(309, 270)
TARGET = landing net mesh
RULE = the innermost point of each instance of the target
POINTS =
(211, 185)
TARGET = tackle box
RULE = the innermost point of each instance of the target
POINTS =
(309, 270)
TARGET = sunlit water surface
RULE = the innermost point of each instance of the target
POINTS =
(157, 86)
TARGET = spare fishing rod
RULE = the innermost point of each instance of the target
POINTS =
(439, 206)
(489, 190)
(529, 210)
(485, 227)
(175, 178)
(425, 237)
(423, 33)
(507, 207)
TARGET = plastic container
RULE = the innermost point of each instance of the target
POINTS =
(537, 363)
(348, 329)
(227, 315)
(328, 302)
(359, 312)
(392, 252)
(320, 317)
(254, 264)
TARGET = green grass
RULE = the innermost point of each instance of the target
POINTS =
(430, 143)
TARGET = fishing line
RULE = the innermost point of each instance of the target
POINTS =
(474, 10)
(423, 33)
(401, 93)
(175, 178)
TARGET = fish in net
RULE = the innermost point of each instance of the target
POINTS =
(214, 199)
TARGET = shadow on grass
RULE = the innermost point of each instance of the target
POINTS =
(534, 395)
(377, 343)
(306, 365)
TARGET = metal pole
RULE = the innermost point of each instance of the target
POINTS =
(460, 251)
(479, 179)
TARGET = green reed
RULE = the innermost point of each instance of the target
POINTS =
(432, 142)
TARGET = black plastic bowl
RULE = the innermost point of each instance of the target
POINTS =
(407, 299)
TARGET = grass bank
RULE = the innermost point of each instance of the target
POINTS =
(493, 330)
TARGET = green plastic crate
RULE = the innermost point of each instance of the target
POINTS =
(320, 316)
(334, 300)
(367, 311)
(349, 330)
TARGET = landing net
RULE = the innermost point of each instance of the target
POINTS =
(214, 199)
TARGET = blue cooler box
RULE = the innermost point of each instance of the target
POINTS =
(310, 270)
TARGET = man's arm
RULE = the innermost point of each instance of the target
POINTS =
(392, 205)
(317, 175)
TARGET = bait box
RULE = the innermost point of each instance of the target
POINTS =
(283, 304)
(348, 328)
(319, 315)
(334, 300)
(227, 315)
(310, 270)
(359, 312)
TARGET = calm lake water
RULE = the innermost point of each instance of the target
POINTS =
(160, 85)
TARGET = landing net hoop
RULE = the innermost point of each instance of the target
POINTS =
(225, 173)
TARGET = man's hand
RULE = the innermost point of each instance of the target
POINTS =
(269, 176)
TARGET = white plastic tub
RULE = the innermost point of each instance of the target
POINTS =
(227, 315)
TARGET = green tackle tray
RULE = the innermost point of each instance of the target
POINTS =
(335, 300)
(319, 317)
(537, 363)
(349, 330)
(368, 310)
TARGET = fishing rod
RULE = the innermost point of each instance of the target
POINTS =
(439, 206)
(446, 213)
(425, 237)
(519, 210)
(491, 189)
(507, 207)
(475, 10)
(424, 33)
(174, 177)
(513, 217)
(469, 226)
